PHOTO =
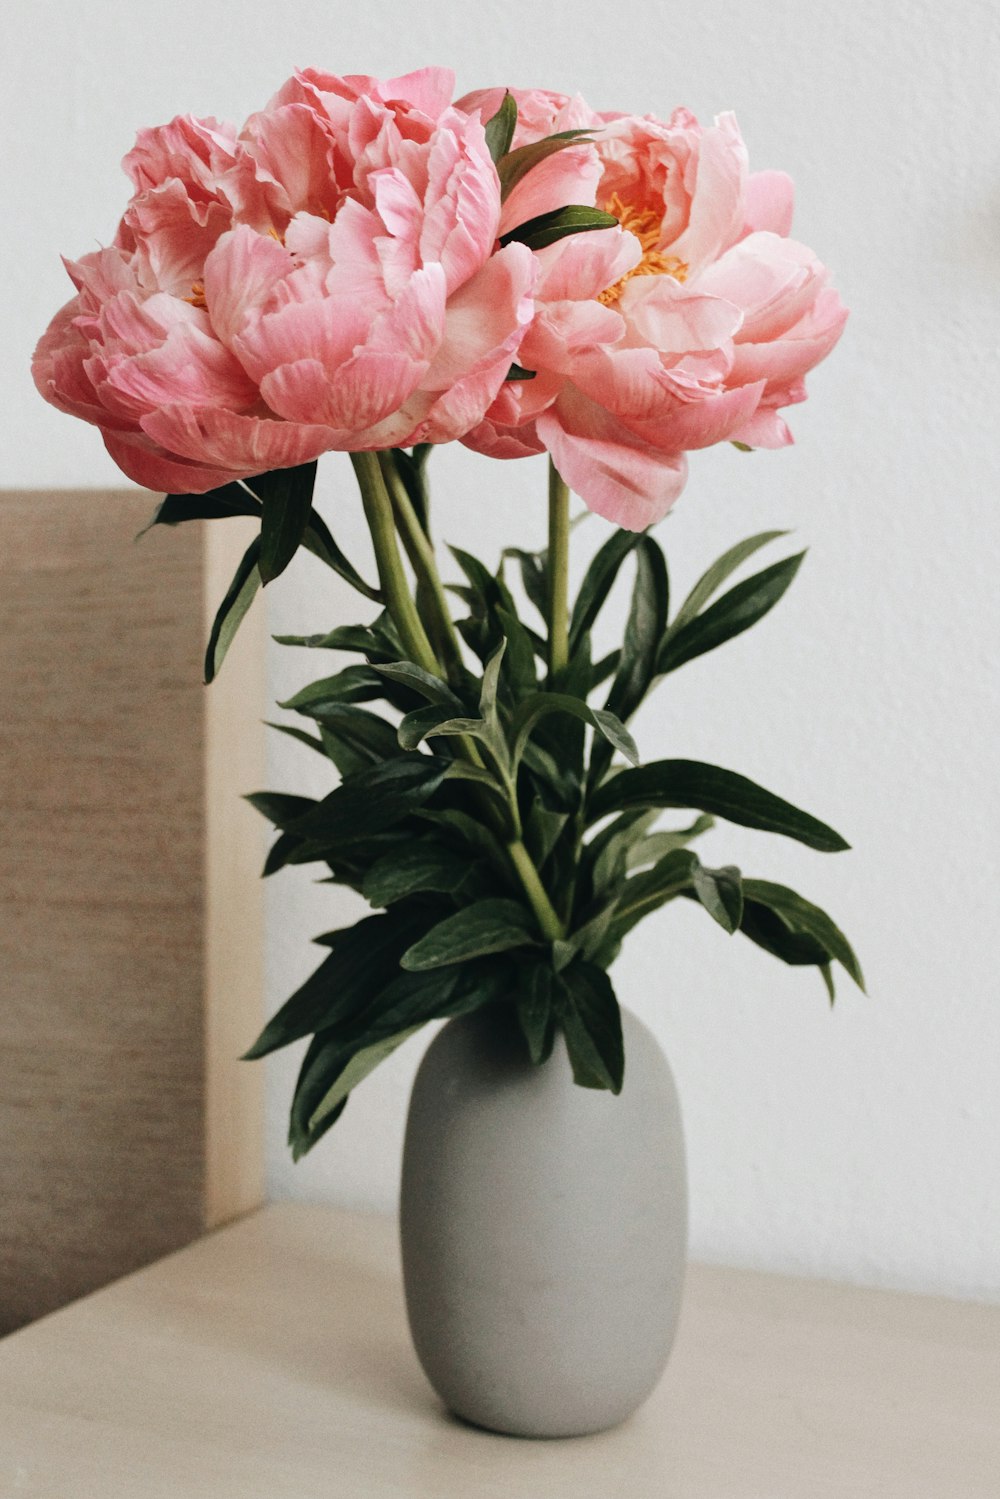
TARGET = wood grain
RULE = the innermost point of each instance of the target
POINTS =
(272, 1359)
(104, 883)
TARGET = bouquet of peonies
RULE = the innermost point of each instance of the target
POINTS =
(371, 268)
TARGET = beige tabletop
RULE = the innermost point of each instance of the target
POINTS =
(270, 1360)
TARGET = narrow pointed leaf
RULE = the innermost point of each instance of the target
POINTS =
(598, 582)
(373, 799)
(709, 788)
(735, 612)
(535, 1013)
(540, 704)
(425, 682)
(500, 128)
(286, 496)
(802, 916)
(591, 1021)
(721, 893)
(546, 228)
(714, 577)
(488, 926)
(233, 609)
(217, 504)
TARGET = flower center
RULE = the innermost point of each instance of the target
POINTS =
(645, 224)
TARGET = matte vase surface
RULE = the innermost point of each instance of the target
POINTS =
(544, 1229)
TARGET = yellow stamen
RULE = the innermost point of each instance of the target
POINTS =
(647, 227)
(197, 297)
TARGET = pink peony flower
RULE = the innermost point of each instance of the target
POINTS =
(692, 323)
(328, 278)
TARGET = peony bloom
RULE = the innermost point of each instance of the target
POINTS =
(328, 278)
(692, 323)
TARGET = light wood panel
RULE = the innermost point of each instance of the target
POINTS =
(272, 1359)
(106, 962)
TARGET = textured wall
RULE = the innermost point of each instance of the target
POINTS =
(860, 1143)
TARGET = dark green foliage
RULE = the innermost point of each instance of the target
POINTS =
(438, 780)
(549, 227)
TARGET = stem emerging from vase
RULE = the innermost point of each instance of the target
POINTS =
(558, 570)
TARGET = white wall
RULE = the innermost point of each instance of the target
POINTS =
(861, 1143)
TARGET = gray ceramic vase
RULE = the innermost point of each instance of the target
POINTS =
(544, 1229)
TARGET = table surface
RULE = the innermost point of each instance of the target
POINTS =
(271, 1360)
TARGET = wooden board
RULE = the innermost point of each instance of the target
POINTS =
(104, 883)
(272, 1359)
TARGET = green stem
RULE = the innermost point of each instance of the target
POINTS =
(402, 610)
(399, 601)
(421, 554)
(558, 569)
(545, 914)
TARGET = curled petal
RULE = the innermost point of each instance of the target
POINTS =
(616, 474)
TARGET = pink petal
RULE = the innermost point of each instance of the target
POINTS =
(717, 196)
(240, 445)
(674, 319)
(615, 474)
(240, 275)
(146, 464)
(765, 429)
(770, 201)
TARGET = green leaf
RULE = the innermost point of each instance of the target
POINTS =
(491, 679)
(655, 845)
(647, 621)
(598, 581)
(535, 1013)
(713, 579)
(319, 540)
(533, 576)
(378, 640)
(735, 612)
(355, 739)
(519, 660)
(488, 926)
(233, 610)
(769, 931)
(355, 684)
(424, 682)
(541, 830)
(279, 807)
(418, 866)
(546, 228)
(515, 165)
(361, 1064)
(803, 917)
(517, 373)
(286, 496)
(708, 788)
(500, 128)
(588, 1012)
(217, 504)
(363, 960)
(720, 891)
(373, 799)
(646, 892)
(302, 735)
(607, 855)
(415, 726)
(536, 707)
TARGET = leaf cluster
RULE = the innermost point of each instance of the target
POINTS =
(438, 780)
